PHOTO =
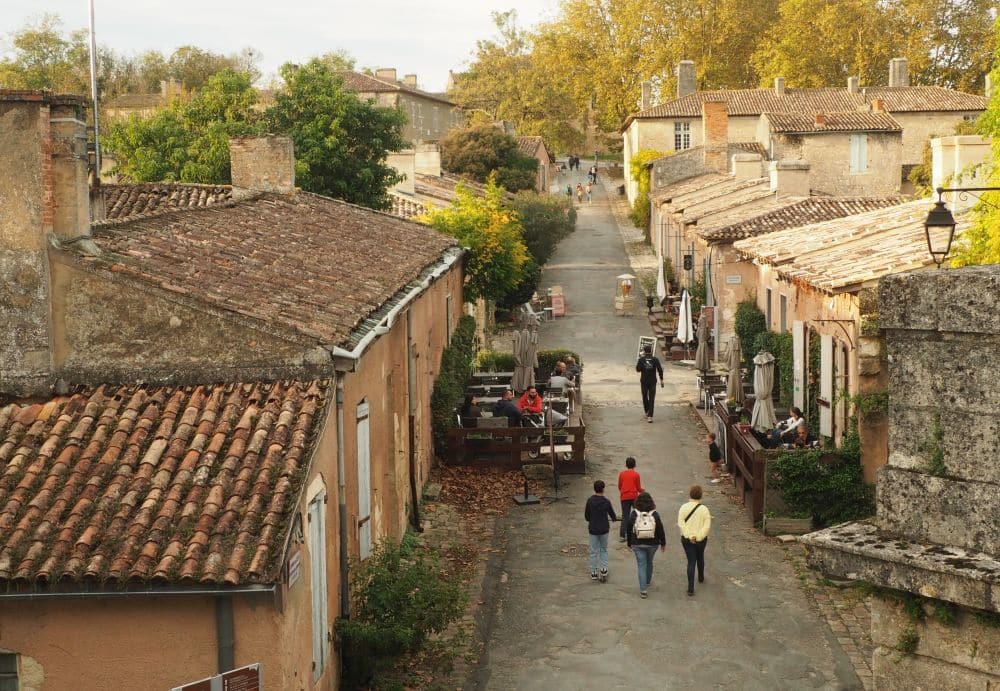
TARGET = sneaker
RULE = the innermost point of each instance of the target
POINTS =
(649, 419)
(701, 578)
(593, 575)
(621, 539)
(690, 592)
(716, 481)
(604, 576)
(642, 594)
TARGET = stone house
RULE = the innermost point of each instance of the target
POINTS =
(209, 402)
(429, 116)
(534, 147)
(677, 125)
(144, 104)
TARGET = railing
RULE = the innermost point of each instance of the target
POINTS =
(747, 461)
(512, 447)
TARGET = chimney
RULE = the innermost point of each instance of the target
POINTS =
(853, 85)
(878, 105)
(427, 160)
(44, 197)
(685, 78)
(746, 166)
(790, 178)
(956, 161)
(404, 163)
(715, 134)
(647, 93)
(262, 164)
(410, 80)
(899, 73)
(386, 74)
(779, 86)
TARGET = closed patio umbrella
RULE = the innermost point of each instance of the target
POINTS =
(524, 375)
(734, 385)
(763, 419)
(685, 329)
(702, 358)
(661, 285)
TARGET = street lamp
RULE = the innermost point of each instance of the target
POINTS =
(940, 224)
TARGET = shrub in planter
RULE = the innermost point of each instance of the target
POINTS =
(547, 360)
(823, 483)
(494, 361)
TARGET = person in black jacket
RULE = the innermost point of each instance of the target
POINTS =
(648, 366)
(642, 543)
(597, 512)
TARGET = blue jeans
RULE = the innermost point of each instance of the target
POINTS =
(644, 561)
(598, 552)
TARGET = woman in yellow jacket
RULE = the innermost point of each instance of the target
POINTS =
(695, 521)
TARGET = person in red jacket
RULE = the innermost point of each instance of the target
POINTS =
(629, 486)
(530, 401)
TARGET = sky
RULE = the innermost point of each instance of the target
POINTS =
(422, 37)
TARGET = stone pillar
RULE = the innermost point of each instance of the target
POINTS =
(899, 73)
(936, 534)
(873, 383)
(686, 82)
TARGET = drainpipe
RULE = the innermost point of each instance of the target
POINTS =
(225, 634)
(345, 588)
(411, 398)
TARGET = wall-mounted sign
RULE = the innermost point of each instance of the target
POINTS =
(734, 279)
(243, 679)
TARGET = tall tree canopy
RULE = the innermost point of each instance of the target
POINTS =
(483, 151)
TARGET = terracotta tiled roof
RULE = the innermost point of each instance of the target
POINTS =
(306, 265)
(898, 99)
(361, 83)
(443, 186)
(689, 185)
(851, 252)
(122, 201)
(789, 212)
(406, 207)
(852, 121)
(528, 145)
(750, 148)
(176, 485)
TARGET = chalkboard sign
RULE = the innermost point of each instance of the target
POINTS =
(646, 341)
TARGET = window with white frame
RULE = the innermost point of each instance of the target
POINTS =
(682, 136)
(859, 153)
(8, 672)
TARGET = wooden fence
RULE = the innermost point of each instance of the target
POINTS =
(509, 447)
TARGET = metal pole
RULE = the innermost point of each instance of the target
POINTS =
(93, 95)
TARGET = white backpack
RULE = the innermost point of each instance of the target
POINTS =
(645, 525)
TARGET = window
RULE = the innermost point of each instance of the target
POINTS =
(682, 136)
(317, 581)
(783, 313)
(767, 307)
(8, 672)
(859, 153)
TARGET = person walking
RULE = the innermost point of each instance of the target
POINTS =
(569, 194)
(590, 193)
(648, 366)
(694, 520)
(579, 193)
(629, 487)
(644, 532)
(714, 457)
(597, 512)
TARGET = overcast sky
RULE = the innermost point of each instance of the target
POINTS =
(425, 37)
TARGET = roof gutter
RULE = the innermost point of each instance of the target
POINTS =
(168, 591)
(383, 327)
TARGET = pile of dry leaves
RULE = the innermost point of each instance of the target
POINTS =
(486, 491)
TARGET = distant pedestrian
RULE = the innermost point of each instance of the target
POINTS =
(590, 193)
(695, 521)
(569, 193)
(648, 366)
(714, 457)
(629, 487)
(579, 192)
(597, 512)
(644, 531)
(593, 173)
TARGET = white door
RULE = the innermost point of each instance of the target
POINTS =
(826, 385)
(364, 484)
(317, 581)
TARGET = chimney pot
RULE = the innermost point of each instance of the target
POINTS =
(820, 119)
(647, 92)
(262, 164)
(387, 74)
(899, 74)
(779, 86)
(853, 85)
(878, 105)
(685, 78)
(410, 80)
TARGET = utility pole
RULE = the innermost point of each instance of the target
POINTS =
(93, 95)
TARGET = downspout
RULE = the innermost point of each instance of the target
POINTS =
(411, 398)
(225, 633)
(345, 588)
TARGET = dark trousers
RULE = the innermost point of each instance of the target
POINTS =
(695, 552)
(626, 511)
(648, 395)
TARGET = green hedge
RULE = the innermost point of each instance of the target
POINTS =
(449, 387)
(494, 361)
(547, 360)
(780, 346)
(825, 484)
(749, 323)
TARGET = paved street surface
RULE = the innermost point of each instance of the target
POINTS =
(749, 626)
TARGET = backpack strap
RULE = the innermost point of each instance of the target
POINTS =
(692, 512)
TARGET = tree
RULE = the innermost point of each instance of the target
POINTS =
(484, 151)
(545, 221)
(497, 259)
(193, 66)
(341, 143)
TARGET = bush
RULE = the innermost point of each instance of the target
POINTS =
(525, 288)
(749, 322)
(825, 484)
(546, 221)
(547, 360)
(399, 597)
(640, 174)
(449, 387)
(780, 346)
(481, 151)
(494, 361)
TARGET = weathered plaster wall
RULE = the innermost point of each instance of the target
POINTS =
(918, 128)
(829, 158)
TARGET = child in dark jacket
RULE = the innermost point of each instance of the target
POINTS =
(597, 513)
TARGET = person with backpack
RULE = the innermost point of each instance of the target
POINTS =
(597, 512)
(569, 194)
(629, 487)
(694, 520)
(648, 366)
(644, 532)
